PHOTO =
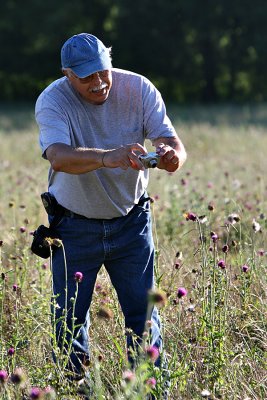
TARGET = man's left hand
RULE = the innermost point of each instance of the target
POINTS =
(169, 159)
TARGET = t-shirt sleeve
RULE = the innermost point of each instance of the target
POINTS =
(156, 122)
(52, 122)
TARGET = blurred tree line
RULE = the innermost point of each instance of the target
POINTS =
(210, 50)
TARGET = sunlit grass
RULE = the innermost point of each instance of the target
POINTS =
(213, 210)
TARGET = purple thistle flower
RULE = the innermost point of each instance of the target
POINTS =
(157, 296)
(49, 393)
(15, 288)
(151, 382)
(190, 216)
(18, 376)
(152, 352)
(35, 393)
(128, 376)
(78, 276)
(214, 237)
(22, 229)
(11, 351)
(261, 252)
(181, 292)
(221, 264)
(211, 206)
(3, 376)
(245, 268)
(225, 248)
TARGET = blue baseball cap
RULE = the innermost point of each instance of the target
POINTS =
(85, 54)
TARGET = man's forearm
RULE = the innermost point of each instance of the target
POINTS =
(64, 158)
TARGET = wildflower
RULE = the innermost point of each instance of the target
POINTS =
(234, 243)
(202, 219)
(181, 292)
(256, 226)
(157, 296)
(54, 242)
(78, 276)
(205, 393)
(149, 323)
(214, 237)
(100, 357)
(35, 393)
(3, 376)
(261, 252)
(221, 264)
(189, 216)
(15, 288)
(225, 248)
(191, 308)
(211, 206)
(22, 229)
(179, 255)
(128, 376)
(151, 382)
(98, 287)
(18, 377)
(233, 218)
(49, 393)
(152, 352)
(245, 268)
(11, 351)
(105, 313)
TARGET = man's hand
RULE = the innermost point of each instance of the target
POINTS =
(169, 159)
(124, 157)
(172, 153)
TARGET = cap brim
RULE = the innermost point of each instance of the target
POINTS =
(100, 64)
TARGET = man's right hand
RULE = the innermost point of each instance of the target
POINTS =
(124, 157)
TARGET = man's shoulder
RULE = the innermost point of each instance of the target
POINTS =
(53, 91)
(125, 76)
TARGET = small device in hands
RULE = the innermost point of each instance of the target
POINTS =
(149, 160)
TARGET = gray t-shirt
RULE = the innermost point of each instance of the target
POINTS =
(133, 112)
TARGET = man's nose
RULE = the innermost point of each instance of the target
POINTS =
(96, 77)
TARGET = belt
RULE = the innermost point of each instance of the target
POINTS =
(71, 214)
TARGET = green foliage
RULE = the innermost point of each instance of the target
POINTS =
(209, 52)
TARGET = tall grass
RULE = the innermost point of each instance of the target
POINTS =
(210, 237)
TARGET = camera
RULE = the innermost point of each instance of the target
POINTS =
(149, 160)
(40, 244)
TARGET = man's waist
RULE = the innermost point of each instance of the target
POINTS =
(71, 214)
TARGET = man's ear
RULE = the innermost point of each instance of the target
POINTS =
(66, 73)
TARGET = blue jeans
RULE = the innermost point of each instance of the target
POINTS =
(125, 247)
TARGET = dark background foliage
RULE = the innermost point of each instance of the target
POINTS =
(194, 51)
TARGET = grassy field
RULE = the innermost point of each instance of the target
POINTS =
(210, 233)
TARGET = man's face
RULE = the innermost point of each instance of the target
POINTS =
(94, 88)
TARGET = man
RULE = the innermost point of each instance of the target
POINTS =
(93, 123)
